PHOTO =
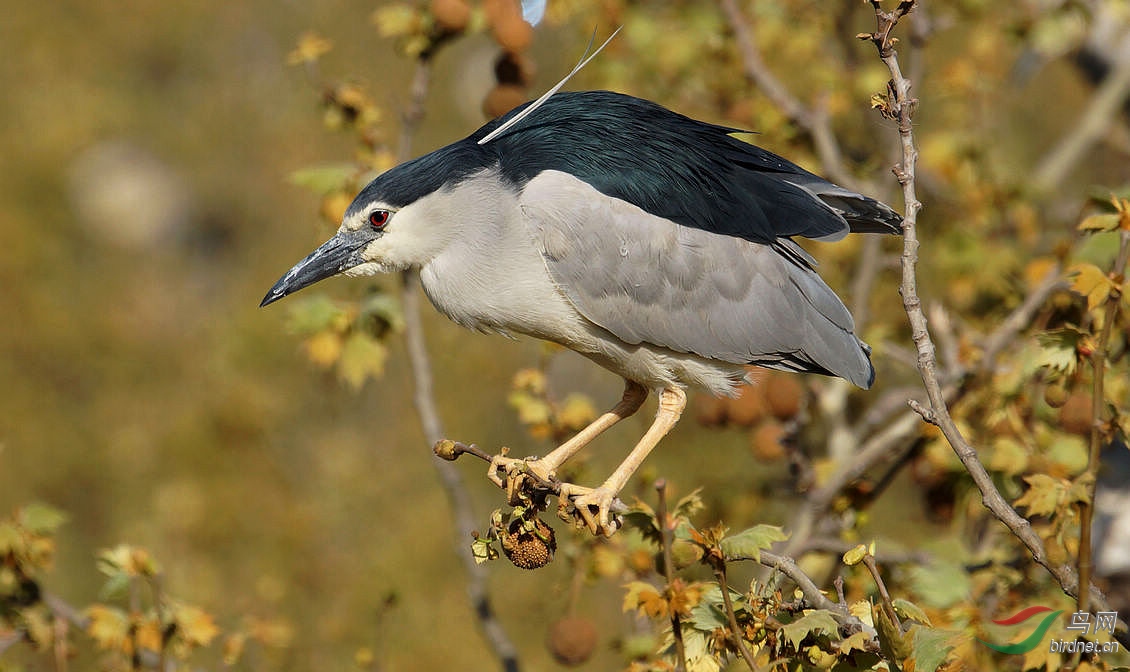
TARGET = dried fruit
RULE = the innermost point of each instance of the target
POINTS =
(748, 409)
(528, 549)
(783, 396)
(503, 98)
(766, 441)
(1075, 415)
(512, 33)
(452, 15)
(1055, 394)
(710, 411)
(571, 640)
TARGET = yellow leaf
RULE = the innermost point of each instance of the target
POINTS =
(361, 357)
(855, 555)
(862, 611)
(311, 47)
(323, 348)
(1090, 281)
(148, 635)
(194, 625)
(1044, 494)
(130, 560)
(108, 627)
(530, 380)
(576, 412)
(532, 410)
(233, 648)
(1103, 222)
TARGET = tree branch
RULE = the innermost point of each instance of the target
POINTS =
(424, 399)
(901, 108)
(1099, 433)
(812, 121)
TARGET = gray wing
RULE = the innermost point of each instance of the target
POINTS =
(646, 279)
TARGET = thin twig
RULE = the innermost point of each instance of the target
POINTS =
(669, 574)
(1099, 433)
(901, 108)
(812, 121)
(424, 399)
(888, 605)
(735, 633)
(812, 594)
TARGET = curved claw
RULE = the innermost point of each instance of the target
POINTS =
(593, 506)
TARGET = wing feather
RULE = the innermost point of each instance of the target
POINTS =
(649, 280)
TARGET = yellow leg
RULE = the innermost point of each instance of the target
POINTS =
(634, 396)
(502, 466)
(594, 505)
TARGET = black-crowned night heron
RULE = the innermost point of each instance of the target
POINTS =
(658, 246)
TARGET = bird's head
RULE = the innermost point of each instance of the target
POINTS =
(401, 219)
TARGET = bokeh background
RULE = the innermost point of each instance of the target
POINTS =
(145, 208)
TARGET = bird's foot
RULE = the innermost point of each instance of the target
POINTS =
(598, 509)
(524, 479)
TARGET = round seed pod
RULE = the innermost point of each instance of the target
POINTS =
(783, 396)
(528, 550)
(503, 98)
(571, 640)
(766, 441)
(452, 15)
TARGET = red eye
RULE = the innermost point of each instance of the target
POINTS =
(378, 218)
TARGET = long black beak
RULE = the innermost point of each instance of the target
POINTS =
(337, 254)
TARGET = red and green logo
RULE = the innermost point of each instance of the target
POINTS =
(1031, 641)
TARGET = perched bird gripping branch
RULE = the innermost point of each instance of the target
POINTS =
(658, 246)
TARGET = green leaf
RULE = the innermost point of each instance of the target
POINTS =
(311, 314)
(893, 641)
(41, 518)
(940, 584)
(910, 610)
(748, 543)
(931, 647)
(815, 622)
(482, 550)
(12, 541)
(1070, 451)
(324, 179)
(710, 612)
(1008, 456)
(1058, 349)
(688, 506)
(855, 555)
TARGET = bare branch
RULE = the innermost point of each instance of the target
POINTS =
(813, 121)
(1099, 433)
(901, 109)
(424, 399)
(669, 574)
